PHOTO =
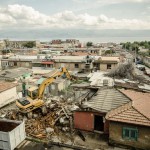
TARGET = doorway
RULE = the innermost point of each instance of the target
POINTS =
(98, 123)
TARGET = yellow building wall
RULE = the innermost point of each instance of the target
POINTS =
(103, 67)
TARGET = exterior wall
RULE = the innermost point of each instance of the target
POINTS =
(85, 121)
(6, 64)
(69, 65)
(115, 135)
(103, 66)
(8, 96)
(56, 41)
(24, 64)
(57, 87)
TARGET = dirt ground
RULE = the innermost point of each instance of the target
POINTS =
(93, 141)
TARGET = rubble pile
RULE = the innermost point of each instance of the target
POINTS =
(41, 126)
(58, 118)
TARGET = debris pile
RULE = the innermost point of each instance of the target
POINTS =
(40, 127)
(57, 120)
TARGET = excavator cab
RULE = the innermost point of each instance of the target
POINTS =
(31, 101)
(32, 92)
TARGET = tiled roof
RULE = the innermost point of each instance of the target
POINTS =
(108, 59)
(128, 114)
(134, 95)
(106, 100)
(141, 101)
(6, 85)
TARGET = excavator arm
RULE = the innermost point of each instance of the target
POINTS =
(51, 79)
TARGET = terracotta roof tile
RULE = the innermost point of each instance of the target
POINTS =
(134, 95)
(141, 101)
(135, 112)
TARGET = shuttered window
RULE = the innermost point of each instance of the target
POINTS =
(130, 133)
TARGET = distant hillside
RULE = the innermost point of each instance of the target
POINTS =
(70, 33)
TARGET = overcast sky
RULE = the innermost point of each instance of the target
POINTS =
(75, 14)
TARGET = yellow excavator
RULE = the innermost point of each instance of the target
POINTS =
(35, 95)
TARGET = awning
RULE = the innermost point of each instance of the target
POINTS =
(47, 62)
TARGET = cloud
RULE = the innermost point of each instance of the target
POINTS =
(121, 1)
(19, 16)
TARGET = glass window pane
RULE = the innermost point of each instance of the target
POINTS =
(126, 133)
(133, 134)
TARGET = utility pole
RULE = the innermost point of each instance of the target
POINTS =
(135, 56)
(23, 87)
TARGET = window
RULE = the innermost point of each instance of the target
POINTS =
(105, 82)
(76, 65)
(108, 66)
(15, 63)
(130, 133)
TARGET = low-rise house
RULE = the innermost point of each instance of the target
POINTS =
(20, 61)
(74, 63)
(17, 61)
(86, 63)
(8, 93)
(92, 117)
(130, 124)
(108, 63)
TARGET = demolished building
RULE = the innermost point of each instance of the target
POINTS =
(92, 117)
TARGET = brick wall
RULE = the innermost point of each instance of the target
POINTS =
(115, 135)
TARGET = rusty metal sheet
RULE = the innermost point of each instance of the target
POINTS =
(84, 121)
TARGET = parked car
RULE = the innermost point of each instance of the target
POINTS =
(141, 67)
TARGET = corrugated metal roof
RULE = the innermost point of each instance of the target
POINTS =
(6, 85)
(106, 100)
(15, 73)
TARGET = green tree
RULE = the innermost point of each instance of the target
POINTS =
(6, 51)
(109, 52)
(89, 44)
(135, 47)
(29, 44)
